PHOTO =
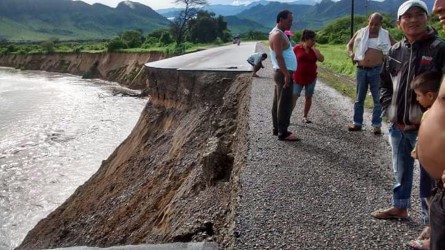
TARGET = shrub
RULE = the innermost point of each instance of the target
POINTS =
(116, 44)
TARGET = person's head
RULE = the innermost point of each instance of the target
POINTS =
(285, 19)
(263, 56)
(308, 37)
(375, 22)
(426, 86)
(412, 19)
(439, 10)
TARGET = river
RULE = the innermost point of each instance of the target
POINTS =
(55, 130)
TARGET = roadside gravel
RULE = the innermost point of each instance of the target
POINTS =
(317, 193)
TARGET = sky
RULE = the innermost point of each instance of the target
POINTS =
(162, 4)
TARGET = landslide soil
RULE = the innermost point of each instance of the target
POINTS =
(175, 178)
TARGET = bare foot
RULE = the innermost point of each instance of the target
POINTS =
(425, 234)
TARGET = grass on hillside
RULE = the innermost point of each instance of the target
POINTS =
(338, 71)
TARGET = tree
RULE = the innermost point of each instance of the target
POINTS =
(133, 38)
(179, 25)
(203, 28)
(115, 44)
(47, 46)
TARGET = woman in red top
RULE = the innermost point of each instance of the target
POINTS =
(306, 74)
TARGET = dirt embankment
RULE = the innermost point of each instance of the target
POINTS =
(175, 178)
(124, 68)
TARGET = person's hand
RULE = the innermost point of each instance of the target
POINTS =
(287, 80)
(443, 178)
(413, 154)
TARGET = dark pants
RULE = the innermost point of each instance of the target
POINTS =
(437, 218)
(257, 67)
(282, 104)
(426, 186)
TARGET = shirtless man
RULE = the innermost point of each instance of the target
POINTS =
(367, 48)
(284, 63)
(431, 148)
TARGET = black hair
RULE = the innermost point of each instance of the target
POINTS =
(307, 35)
(427, 82)
(264, 55)
(284, 14)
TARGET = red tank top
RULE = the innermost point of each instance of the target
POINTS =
(307, 65)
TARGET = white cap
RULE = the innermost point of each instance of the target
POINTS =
(411, 3)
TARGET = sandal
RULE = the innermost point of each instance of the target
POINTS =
(387, 215)
(305, 120)
(288, 137)
(419, 244)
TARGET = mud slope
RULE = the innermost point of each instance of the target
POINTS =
(124, 68)
(174, 178)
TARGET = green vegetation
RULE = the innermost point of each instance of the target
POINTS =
(337, 59)
(207, 31)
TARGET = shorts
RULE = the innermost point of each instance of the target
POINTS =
(308, 89)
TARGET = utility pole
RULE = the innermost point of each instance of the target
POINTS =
(352, 18)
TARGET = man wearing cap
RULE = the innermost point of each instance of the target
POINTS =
(419, 51)
(368, 48)
(284, 63)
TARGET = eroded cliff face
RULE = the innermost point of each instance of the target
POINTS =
(175, 178)
(124, 68)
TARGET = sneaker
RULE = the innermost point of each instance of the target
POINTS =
(377, 131)
(275, 131)
(355, 128)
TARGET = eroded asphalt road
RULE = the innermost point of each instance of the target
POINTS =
(317, 193)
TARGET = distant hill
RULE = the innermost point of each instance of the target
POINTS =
(318, 15)
(73, 20)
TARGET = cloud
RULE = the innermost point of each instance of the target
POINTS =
(241, 2)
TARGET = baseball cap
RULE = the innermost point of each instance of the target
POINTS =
(411, 3)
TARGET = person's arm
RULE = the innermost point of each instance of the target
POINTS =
(278, 47)
(317, 52)
(386, 88)
(350, 47)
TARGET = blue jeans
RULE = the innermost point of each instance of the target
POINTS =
(367, 77)
(308, 89)
(402, 143)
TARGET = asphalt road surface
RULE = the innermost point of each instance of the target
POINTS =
(225, 58)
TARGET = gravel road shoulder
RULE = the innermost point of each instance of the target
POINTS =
(317, 193)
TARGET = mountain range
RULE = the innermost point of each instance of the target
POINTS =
(73, 20)
(34, 20)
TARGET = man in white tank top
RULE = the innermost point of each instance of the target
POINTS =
(367, 48)
(284, 63)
